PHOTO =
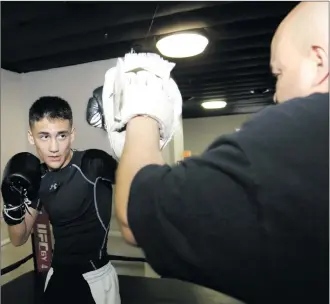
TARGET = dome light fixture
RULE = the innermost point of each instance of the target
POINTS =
(182, 45)
(210, 105)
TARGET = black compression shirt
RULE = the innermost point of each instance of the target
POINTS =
(78, 200)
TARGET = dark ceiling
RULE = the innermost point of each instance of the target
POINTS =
(235, 66)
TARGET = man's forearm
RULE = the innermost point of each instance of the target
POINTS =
(19, 234)
(141, 149)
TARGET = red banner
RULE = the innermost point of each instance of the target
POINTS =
(42, 242)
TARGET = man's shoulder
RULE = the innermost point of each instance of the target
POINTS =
(94, 154)
(99, 161)
(290, 133)
(298, 110)
(309, 114)
(281, 134)
(273, 124)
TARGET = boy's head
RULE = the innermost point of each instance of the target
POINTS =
(51, 130)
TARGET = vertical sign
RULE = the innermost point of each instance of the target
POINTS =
(42, 242)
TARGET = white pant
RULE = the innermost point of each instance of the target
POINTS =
(102, 282)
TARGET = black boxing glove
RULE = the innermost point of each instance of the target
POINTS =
(20, 187)
(99, 164)
(94, 112)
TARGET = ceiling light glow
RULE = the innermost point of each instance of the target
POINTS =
(214, 104)
(182, 45)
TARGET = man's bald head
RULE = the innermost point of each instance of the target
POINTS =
(300, 50)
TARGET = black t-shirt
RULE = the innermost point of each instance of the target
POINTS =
(78, 200)
(249, 217)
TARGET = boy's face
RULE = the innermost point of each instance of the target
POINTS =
(53, 139)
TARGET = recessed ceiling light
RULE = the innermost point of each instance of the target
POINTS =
(214, 104)
(182, 45)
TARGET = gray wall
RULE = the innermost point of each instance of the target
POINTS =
(199, 133)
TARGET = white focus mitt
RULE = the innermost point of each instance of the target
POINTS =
(140, 85)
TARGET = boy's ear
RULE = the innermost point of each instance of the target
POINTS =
(30, 138)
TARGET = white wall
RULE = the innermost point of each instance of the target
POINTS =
(13, 132)
(199, 133)
(13, 140)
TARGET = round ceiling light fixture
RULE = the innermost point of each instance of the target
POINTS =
(182, 45)
(209, 105)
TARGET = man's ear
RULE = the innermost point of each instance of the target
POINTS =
(30, 138)
(73, 135)
(320, 57)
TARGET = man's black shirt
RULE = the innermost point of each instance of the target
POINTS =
(78, 200)
(249, 217)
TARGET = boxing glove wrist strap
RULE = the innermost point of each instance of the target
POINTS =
(13, 215)
(36, 204)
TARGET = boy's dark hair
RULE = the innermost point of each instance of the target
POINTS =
(50, 107)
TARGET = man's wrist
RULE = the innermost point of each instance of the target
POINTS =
(142, 120)
(142, 138)
(143, 128)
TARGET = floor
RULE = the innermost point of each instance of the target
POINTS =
(116, 246)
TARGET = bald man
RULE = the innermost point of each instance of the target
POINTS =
(249, 217)
(299, 52)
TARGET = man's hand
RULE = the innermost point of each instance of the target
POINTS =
(141, 149)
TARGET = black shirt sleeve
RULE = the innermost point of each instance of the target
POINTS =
(199, 215)
(97, 163)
